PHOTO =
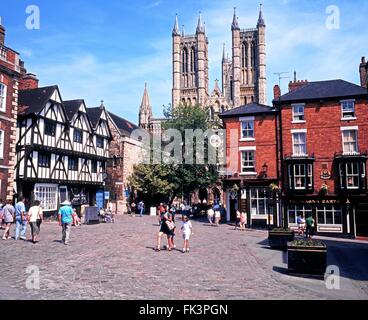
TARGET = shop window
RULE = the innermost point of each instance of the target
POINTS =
(259, 201)
(329, 215)
(47, 195)
(298, 210)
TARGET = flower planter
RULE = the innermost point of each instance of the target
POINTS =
(280, 239)
(307, 259)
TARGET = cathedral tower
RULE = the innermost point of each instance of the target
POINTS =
(190, 65)
(249, 63)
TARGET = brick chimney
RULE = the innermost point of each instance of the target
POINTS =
(276, 92)
(363, 70)
(2, 33)
(28, 82)
(296, 84)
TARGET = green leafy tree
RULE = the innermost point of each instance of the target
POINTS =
(163, 182)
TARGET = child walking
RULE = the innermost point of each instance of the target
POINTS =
(187, 232)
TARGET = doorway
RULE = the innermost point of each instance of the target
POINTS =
(361, 220)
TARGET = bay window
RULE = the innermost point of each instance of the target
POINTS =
(300, 176)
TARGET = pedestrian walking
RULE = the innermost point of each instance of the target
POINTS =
(141, 208)
(237, 222)
(301, 224)
(310, 223)
(187, 229)
(171, 233)
(217, 214)
(2, 223)
(9, 213)
(164, 229)
(20, 219)
(210, 215)
(243, 221)
(173, 212)
(35, 218)
(66, 216)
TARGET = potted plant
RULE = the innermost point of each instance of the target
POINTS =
(307, 256)
(278, 238)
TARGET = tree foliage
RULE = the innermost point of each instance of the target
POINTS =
(163, 182)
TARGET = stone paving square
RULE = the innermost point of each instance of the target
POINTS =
(118, 261)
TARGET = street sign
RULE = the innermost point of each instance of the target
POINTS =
(107, 195)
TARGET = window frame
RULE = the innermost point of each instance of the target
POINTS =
(3, 97)
(76, 166)
(302, 133)
(102, 140)
(298, 209)
(47, 125)
(254, 195)
(79, 131)
(248, 152)
(48, 195)
(2, 143)
(322, 209)
(47, 160)
(356, 137)
(307, 178)
(249, 130)
(298, 114)
(344, 112)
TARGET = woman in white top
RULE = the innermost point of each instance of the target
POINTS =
(210, 214)
(35, 217)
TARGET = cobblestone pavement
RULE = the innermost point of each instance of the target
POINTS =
(118, 261)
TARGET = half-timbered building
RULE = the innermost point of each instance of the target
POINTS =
(61, 154)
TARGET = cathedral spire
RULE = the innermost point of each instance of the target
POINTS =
(224, 54)
(183, 31)
(176, 31)
(261, 22)
(200, 26)
(235, 24)
(145, 110)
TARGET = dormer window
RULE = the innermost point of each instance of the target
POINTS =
(298, 113)
(348, 109)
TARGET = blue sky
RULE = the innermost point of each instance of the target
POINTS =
(95, 49)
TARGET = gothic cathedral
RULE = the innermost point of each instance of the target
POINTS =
(243, 76)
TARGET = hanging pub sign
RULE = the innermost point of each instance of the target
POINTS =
(325, 174)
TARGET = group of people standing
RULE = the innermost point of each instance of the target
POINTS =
(167, 227)
(305, 226)
(215, 213)
(19, 215)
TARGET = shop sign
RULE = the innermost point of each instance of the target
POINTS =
(315, 201)
(325, 175)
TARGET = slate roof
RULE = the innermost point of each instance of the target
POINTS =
(320, 90)
(125, 127)
(248, 109)
(71, 107)
(34, 100)
(94, 115)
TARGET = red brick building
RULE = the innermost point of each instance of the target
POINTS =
(251, 151)
(10, 69)
(323, 153)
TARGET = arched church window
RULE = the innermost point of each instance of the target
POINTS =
(185, 59)
(244, 55)
(193, 59)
